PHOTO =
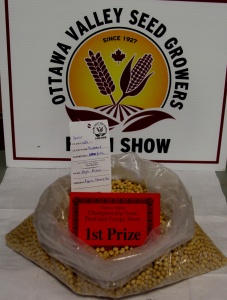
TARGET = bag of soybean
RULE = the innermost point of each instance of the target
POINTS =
(178, 251)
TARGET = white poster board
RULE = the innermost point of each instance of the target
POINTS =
(155, 69)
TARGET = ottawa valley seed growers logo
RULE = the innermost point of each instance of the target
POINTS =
(118, 75)
(133, 77)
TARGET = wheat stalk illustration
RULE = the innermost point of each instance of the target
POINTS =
(133, 80)
(100, 74)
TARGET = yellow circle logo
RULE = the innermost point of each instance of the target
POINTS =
(118, 74)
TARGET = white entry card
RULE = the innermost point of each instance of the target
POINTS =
(90, 156)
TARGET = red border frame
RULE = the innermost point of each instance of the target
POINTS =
(15, 157)
(151, 200)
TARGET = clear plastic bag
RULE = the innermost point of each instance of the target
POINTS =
(195, 257)
(59, 243)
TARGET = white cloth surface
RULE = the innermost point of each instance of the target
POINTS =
(22, 280)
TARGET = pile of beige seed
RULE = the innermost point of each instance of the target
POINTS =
(115, 251)
(126, 186)
(195, 257)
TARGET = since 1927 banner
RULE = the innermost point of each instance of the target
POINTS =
(156, 70)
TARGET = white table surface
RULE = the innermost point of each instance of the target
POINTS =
(22, 280)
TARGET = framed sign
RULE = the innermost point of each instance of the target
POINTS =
(114, 219)
(156, 70)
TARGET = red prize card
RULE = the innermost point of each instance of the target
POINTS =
(113, 219)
